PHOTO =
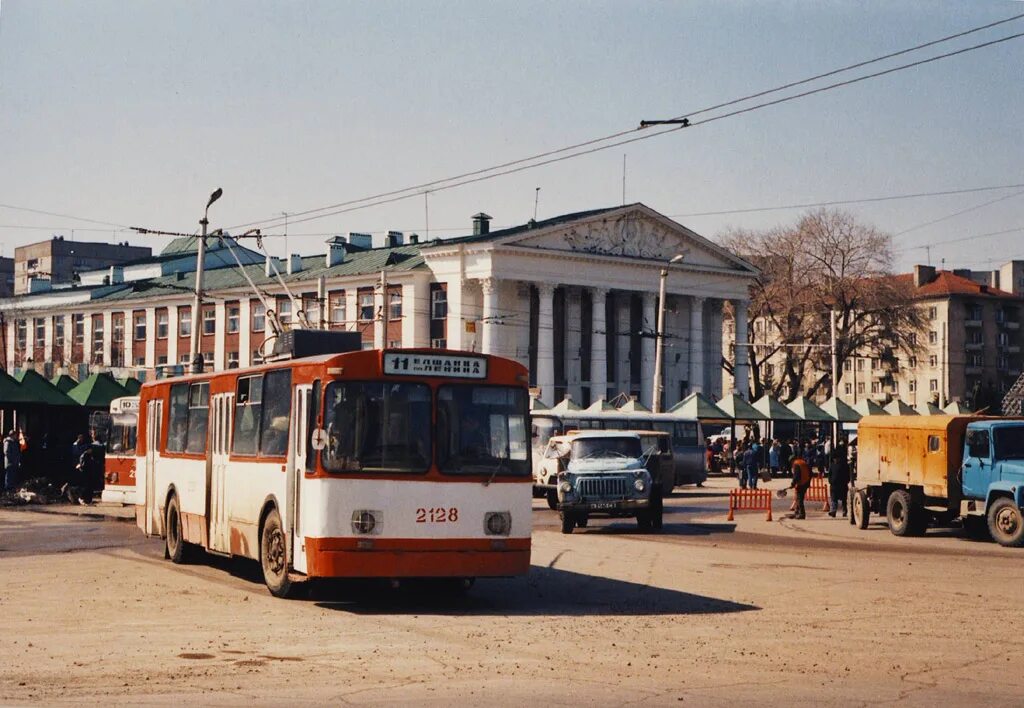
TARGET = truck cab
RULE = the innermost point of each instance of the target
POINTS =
(992, 471)
(602, 473)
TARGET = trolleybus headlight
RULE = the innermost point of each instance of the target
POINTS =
(497, 523)
(640, 485)
(365, 521)
(566, 487)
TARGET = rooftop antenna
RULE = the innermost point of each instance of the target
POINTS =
(426, 213)
(623, 179)
(928, 254)
(536, 200)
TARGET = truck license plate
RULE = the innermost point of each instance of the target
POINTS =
(602, 505)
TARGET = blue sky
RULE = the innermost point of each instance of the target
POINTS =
(133, 112)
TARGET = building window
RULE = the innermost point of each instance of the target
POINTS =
(140, 326)
(257, 356)
(976, 360)
(39, 325)
(933, 361)
(209, 321)
(338, 307)
(933, 312)
(234, 313)
(185, 322)
(184, 358)
(769, 370)
(1003, 339)
(284, 311)
(860, 387)
(848, 388)
(439, 343)
(97, 333)
(975, 337)
(974, 312)
(79, 327)
(21, 330)
(311, 307)
(933, 385)
(876, 364)
(860, 365)
(912, 385)
(876, 387)
(394, 306)
(394, 344)
(161, 360)
(847, 365)
(232, 360)
(140, 361)
(933, 337)
(365, 306)
(161, 324)
(208, 359)
(117, 325)
(912, 362)
(438, 304)
(58, 331)
(259, 317)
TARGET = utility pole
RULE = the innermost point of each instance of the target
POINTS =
(196, 357)
(835, 372)
(659, 343)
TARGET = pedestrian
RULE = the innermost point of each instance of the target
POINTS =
(773, 458)
(750, 456)
(801, 483)
(12, 460)
(785, 455)
(839, 480)
(89, 469)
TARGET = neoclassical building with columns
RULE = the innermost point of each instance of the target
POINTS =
(574, 298)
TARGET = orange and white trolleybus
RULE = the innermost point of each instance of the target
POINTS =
(116, 429)
(370, 464)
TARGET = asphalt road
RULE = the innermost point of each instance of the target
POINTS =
(708, 612)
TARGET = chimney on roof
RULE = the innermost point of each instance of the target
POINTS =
(360, 241)
(414, 239)
(481, 224)
(395, 238)
(962, 272)
(116, 274)
(269, 266)
(335, 250)
(294, 263)
(993, 279)
(923, 275)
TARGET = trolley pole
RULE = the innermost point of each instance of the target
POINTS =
(659, 342)
(196, 357)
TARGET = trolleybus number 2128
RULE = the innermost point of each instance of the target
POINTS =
(389, 464)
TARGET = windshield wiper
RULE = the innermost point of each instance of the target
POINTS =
(499, 467)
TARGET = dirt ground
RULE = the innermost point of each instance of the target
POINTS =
(707, 613)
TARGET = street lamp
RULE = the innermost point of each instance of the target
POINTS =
(659, 344)
(196, 357)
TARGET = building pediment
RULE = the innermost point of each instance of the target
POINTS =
(631, 232)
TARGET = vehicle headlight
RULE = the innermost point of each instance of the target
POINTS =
(639, 485)
(497, 523)
(565, 487)
(366, 522)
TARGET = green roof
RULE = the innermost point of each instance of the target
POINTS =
(803, 407)
(774, 409)
(97, 391)
(842, 412)
(42, 391)
(63, 383)
(11, 391)
(738, 409)
(696, 405)
(130, 384)
(898, 407)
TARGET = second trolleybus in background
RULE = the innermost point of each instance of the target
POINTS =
(388, 464)
(116, 429)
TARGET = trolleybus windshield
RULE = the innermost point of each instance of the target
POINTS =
(377, 427)
(482, 430)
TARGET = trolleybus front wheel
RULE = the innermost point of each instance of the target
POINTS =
(274, 556)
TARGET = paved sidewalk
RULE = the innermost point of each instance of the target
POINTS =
(99, 510)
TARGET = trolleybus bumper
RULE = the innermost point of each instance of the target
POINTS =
(416, 558)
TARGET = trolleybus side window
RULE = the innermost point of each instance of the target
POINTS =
(277, 405)
(248, 408)
(311, 425)
(685, 434)
(177, 427)
(482, 430)
(198, 417)
(380, 427)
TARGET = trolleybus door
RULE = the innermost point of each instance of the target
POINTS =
(154, 419)
(296, 473)
(223, 408)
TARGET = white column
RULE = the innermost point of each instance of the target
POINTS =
(48, 339)
(380, 313)
(546, 343)
(416, 313)
(220, 329)
(108, 336)
(598, 345)
(647, 344)
(623, 378)
(352, 309)
(573, 333)
(489, 344)
(127, 344)
(244, 332)
(456, 325)
(742, 375)
(697, 345)
(151, 338)
(12, 332)
(172, 335)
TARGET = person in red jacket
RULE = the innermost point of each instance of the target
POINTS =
(801, 482)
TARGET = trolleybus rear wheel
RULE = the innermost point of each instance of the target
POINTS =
(175, 547)
(274, 556)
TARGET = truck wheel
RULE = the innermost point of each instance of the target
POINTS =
(567, 522)
(902, 516)
(860, 511)
(552, 499)
(1005, 523)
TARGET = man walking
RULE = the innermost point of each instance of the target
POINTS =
(801, 483)
(838, 479)
(750, 456)
(12, 460)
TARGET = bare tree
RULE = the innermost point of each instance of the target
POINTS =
(826, 262)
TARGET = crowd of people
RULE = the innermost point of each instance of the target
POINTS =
(80, 472)
(753, 458)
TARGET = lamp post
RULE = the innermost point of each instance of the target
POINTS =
(659, 343)
(196, 357)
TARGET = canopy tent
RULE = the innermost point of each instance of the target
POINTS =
(12, 393)
(841, 411)
(634, 406)
(97, 391)
(537, 405)
(736, 408)
(63, 383)
(698, 406)
(868, 407)
(928, 408)
(600, 406)
(42, 391)
(803, 407)
(898, 407)
(773, 409)
(957, 408)
(130, 384)
(566, 405)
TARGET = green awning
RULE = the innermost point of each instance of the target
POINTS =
(840, 411)
(738, 409)
(698, 406)
(63, 383)
(39, 390)
(634, 406)
(803, 407)
(12, 392)
(898, 407)
(600, 406)
(773, 409)
(130, 384)
(566, 405)
(928, 408)
(868, 407)
(97, 391)
(957, 408)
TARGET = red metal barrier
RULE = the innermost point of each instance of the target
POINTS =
(819, 491)
(750, 500)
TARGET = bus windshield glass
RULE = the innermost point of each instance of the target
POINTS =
(377, 427)
(1010, 442)
(593, 448)
(482, 430)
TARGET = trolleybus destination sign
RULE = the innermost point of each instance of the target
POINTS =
(469, 367)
